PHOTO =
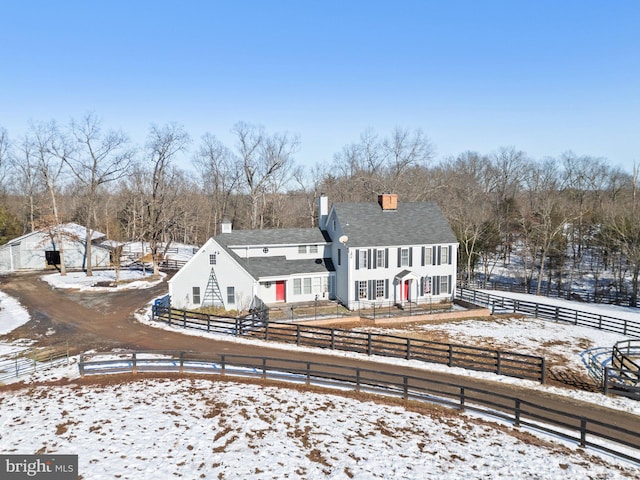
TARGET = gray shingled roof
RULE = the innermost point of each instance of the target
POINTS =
(260, 267)
(419, 223)
(283, 236)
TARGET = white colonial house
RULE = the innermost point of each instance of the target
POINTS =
(38, 250)
(360, 253)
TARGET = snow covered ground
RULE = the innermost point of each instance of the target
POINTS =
(199, 428)
(130, 279)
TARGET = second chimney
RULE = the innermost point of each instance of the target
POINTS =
(388, 201)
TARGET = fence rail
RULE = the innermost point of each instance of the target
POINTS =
(599, 296)
(585, 431)
(454, 355)
(23, 363)
(551, 312)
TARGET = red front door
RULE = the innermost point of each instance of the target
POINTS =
(280, 291)
(405, 295)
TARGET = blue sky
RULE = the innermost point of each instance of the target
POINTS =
(542, 76)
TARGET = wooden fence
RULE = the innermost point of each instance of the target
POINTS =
(454, 355)
(623, 376)
(600, 296)
(585, 431)
(551, 312)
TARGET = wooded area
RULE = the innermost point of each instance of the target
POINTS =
(567, 217)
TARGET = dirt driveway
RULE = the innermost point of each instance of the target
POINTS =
(84, 321)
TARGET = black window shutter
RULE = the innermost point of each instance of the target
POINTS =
(439, 252)
(399, 256)
(386, 289)
(450, 253)
(369, 259)
(449, 286)
(411, 256)
(357, 259)
(434, 255)
(386, 258)
(423, 255)
(372, 286)
(374, 257)
(357, 297)
(435, 284)
(421, 292)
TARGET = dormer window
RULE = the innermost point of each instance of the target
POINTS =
(302, 249)
(313, 248)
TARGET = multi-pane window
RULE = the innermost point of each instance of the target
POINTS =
(302, 249)
(196, 295)
(427, 256)
(379, 288)
(380, 258)
(362, 258)
(297, 286)
(404, 257)
(231, 295)
(362, 289)
(212, 259)
(444, 284)
(444, 255)
(313, 248)
(307, 286)
(317, 285)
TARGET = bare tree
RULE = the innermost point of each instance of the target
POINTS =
(220, 174)
(98, 159)
(163, 145)
(403, 151)
(265, 159)
(50, 148)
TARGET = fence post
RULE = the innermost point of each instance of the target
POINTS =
(369, 343)
(222, 372)
(517, 413)
(298, 334)
(81, 365)
(543, 373)
(557, 315)
(498, 363)
(606, 380)
(625, 326)
(308, 373)
(208, 323)
(583, 432)
(536, 311)
(266, 331)
(450, 362)
(461, 398)
(264, 368)
(575, 322)
(134, 363)
(333, 339)
(406, 387)
(408, 348)
(181, 362)
(357, 379)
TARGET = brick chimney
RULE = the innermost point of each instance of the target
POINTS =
(388, 201)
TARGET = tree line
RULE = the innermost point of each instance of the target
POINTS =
(567, 217)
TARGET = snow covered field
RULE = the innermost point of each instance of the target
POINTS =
(200, 428)
(197, 428)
